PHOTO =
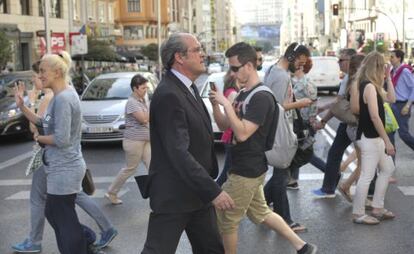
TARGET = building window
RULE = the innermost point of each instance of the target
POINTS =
(111, 13)
(25, 7)
(91, 10)
(55, 8)
(101, 12)
(134, 5)
(3, 7)
(134, 32)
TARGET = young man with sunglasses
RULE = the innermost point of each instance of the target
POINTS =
(250, 139)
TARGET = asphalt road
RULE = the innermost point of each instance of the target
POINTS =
(328, 221)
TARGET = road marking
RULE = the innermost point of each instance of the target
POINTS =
(407, 190)
(99, 193)
(96, 179)
(15, 160)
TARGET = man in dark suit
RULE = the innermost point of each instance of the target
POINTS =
(181, 188)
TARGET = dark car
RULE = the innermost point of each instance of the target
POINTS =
(12, 120)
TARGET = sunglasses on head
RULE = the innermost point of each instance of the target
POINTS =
(236, 68)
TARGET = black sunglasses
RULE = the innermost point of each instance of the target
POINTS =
(236, 68)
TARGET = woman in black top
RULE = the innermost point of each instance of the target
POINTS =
(374, 143)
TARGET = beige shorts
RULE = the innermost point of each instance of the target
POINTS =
(249, 199)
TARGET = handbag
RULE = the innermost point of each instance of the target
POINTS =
(88, 185)
(35, 161)
(342, 110)
(391, 124)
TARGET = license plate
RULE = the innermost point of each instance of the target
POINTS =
(99, 129)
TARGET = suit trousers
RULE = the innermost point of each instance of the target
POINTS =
(61, 215)
(165, 230)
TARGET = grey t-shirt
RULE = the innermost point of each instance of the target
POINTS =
(64, 164)
(278, 80)
(342, 86)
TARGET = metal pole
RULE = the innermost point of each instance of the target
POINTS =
(47, 31)
(159, 38)
(403, 27)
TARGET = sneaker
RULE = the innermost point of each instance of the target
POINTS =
(27, 247)
(320, 194)
(113, 198)
(293, 186)
(308, 249)
(106, 238)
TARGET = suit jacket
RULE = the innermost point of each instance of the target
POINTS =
(183, 163)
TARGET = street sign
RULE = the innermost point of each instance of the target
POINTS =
(78, 43)
(57, 43)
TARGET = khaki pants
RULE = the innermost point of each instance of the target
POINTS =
(135, 152)
(247, 194)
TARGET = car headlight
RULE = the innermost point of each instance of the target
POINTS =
(13, 112)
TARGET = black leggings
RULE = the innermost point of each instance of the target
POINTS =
(61, 214)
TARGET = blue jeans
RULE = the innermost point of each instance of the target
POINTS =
(227, 164)
(315, 161)
(38, 201)
(403, 121)
(275, 191)
(333, 163)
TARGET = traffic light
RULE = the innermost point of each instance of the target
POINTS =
(335, 9)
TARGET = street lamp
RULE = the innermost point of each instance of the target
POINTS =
(375, 9)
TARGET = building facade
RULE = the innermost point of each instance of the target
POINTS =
(24, 24)
(138, 22)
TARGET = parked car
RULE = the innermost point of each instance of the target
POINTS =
(214, 68)
(325, 73)
(103, 105)
(12, 120)
(218, 79)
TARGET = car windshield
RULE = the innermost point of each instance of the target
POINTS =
(217, 79)
(108, 89)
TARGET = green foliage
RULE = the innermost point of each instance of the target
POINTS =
(99, 50)
(150, 51)
(5, 50)
(381, 47)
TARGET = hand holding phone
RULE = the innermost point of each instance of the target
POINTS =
(213, 86)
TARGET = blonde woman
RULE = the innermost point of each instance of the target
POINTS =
(63, 162)
(376, 148)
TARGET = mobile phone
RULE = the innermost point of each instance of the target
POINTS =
(212, 86)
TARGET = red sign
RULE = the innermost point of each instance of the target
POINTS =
(57, 43)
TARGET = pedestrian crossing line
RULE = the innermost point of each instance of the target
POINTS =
(99, 193)
(15, 160)
(28, 181)
(407, 190)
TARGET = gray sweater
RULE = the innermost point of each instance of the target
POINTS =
(64, 164)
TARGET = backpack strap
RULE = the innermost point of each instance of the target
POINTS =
(256, 90)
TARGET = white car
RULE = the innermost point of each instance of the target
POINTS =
(325, 73)
(103, 105)
(214, 68)
(218, 79)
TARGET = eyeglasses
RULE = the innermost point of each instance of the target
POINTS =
(195, 50)
(260, 59)
(236, 68)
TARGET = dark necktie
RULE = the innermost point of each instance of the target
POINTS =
(196, 94)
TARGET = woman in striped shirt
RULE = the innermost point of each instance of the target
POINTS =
(136, 143)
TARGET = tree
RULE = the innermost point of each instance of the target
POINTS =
(369, 46)
(100, 51)
(5, 50)
(150, 51)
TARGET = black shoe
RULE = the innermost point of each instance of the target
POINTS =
(293, 186)
(308, 249)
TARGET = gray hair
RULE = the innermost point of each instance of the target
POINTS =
(172, 45)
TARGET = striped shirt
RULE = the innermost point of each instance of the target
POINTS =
(134, 130)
